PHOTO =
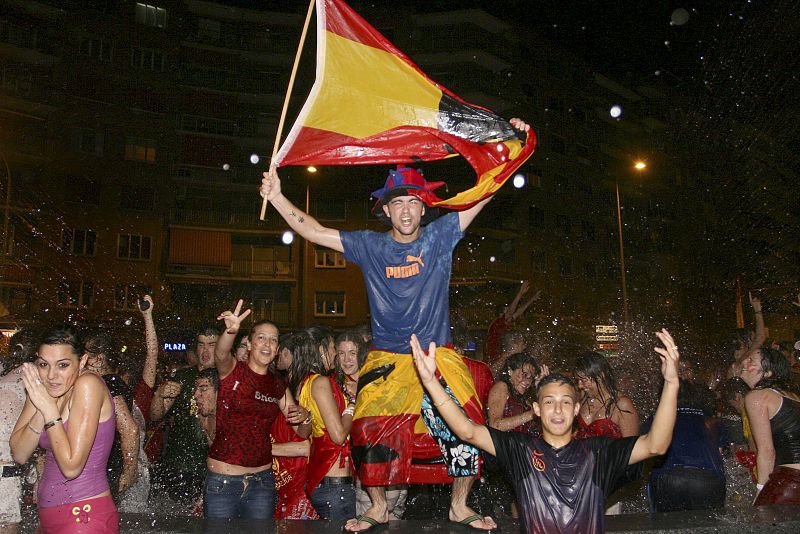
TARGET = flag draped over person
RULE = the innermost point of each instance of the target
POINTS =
(371, 105)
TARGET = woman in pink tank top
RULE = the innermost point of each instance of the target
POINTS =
(71, 415)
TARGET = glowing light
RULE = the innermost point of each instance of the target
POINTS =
(311, 169)
(640, 165)
(226, 167)
(492, 259)
(679, 17)
(519, 180)
(287, 238)
(254, 159)
(615, 111)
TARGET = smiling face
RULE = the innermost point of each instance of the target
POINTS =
(557, 406)
(347, 352)
(588, 385)
(242, 350)
(263, 346)
(405, 213)
(522, 378)
(59, 368)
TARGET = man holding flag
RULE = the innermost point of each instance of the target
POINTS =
(407, 275)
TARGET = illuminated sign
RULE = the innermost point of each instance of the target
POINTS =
(174, 346)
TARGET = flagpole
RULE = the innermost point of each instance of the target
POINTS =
(286, 98)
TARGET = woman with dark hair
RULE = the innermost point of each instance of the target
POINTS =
(774, 416)
(104, 359)
(604, 412)
(290, 451)
(240, 482)
(508, 407)
(691, 476)
(329, 482)
(350, 356)
(70, 414)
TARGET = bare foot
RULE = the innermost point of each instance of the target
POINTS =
(470, 519)
(368, 520)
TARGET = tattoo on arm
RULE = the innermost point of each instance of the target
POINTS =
(299, 218)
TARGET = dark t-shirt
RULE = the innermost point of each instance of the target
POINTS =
(562, 490)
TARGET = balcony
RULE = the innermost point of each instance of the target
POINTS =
(244, 218)
(268, 270)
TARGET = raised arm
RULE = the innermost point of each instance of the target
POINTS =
(466, 217)
(163, 399)
(658, 439)
(302, 223)
(222, 351)
(761, 329)
(460, 424)
(150, 340)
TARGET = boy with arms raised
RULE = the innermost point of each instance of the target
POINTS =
(561, 483)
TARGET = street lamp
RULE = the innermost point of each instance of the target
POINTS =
(639, 166)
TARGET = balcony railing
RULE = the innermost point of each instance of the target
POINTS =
(255, 269)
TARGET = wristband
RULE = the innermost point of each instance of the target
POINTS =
(50, 424)
(34, 430)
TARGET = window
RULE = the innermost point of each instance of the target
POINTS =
(582, 151)
(138, 149)
(329, 304)
(147, 58)
(325, 258)
(557, 144)
(589, 230)
(565, 266)
(151, 15)
(78, 242)
(126, 296)
(137, 198)
(535, 217)
(563, 225)
(590, 272)
(17, 299)
(87, 140)
(99, 49)
(82, 190)
(538, 261)
(133, 247)
(75, 294)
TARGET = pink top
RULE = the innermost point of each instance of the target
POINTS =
(56, 490)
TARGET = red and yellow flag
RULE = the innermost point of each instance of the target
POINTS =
(370, 104)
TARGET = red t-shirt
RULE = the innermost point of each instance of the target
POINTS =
(494, 337)
(247, 404)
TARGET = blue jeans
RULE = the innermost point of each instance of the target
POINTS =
(336, 502)
(243, 496)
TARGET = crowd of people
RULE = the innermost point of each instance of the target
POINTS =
(312, 424)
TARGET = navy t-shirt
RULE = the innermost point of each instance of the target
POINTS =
(562, 490)
(407, 283)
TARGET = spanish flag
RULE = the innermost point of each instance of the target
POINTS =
(371, 105)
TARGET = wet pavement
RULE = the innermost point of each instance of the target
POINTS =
(780, 519)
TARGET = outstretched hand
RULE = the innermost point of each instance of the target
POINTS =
(669, 357)
(233, 319)
(270, 184)
(519, 124)
(426, 363)
(755, 302)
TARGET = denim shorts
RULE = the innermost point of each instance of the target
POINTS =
(336, 501)
(250, 496)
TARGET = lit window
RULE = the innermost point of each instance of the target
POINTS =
(329, 304)
(151, 15)
(137, 149)
(325, 258)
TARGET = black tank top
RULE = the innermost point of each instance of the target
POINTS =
(785, 426)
